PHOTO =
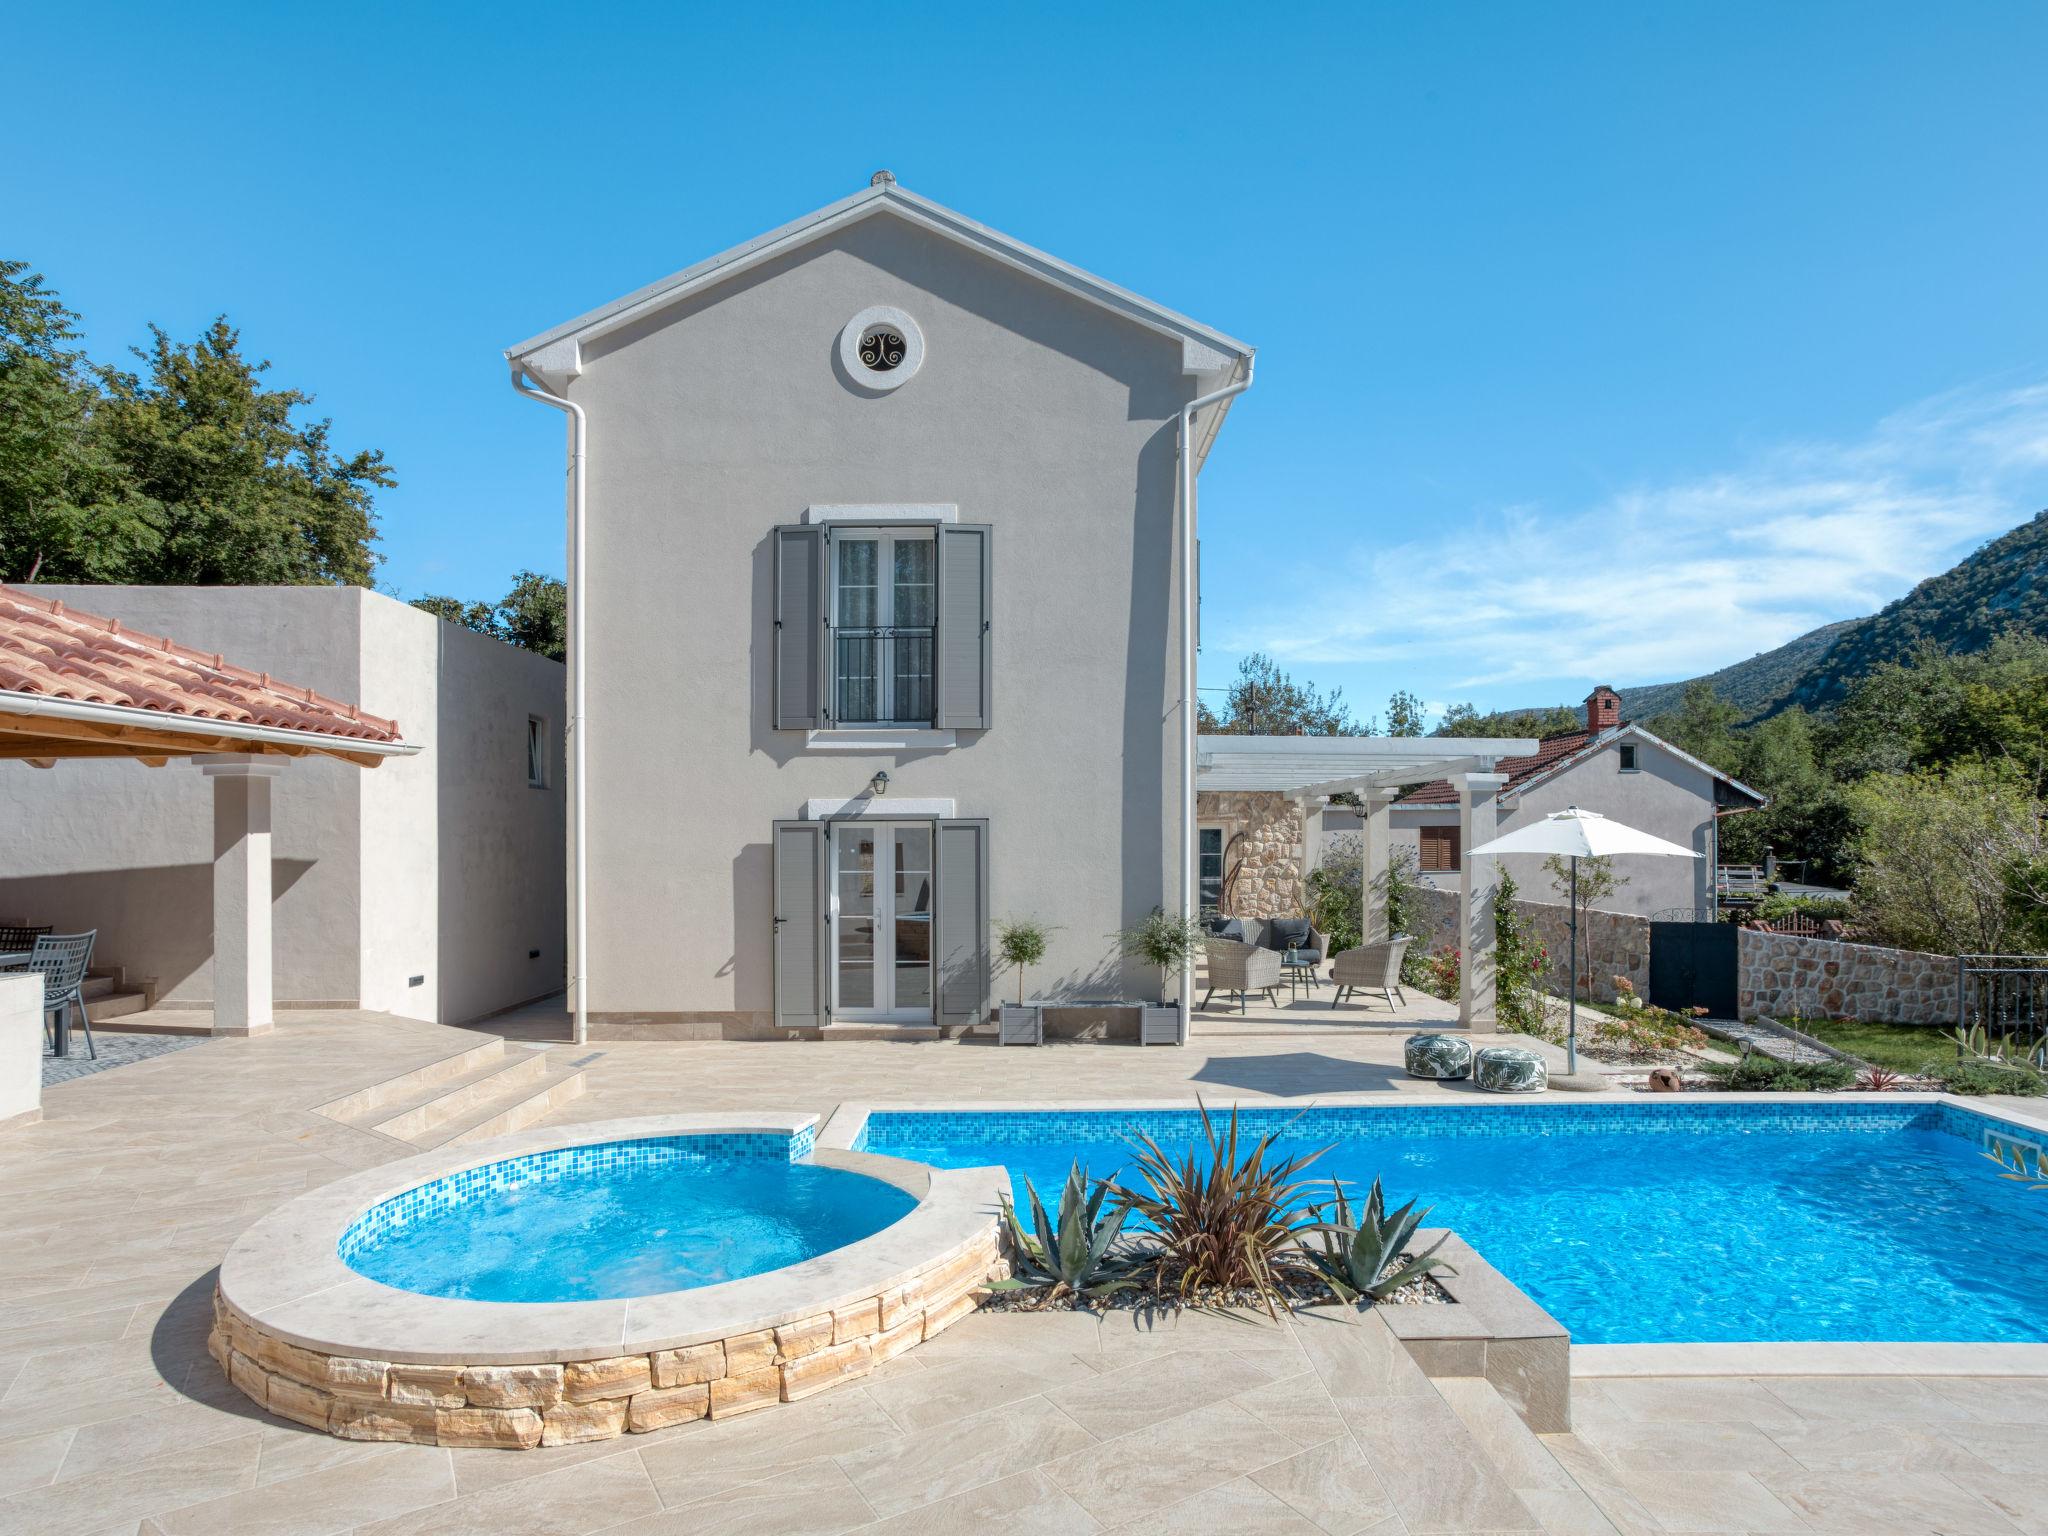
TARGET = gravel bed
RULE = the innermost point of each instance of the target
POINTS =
(1298, 1292)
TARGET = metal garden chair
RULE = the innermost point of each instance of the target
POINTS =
(16, 939)
(62, 959)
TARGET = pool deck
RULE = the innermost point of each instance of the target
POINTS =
(114, 1419)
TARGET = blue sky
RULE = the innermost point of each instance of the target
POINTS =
(1597, 342)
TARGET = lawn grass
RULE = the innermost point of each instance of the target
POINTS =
(1902, 1047)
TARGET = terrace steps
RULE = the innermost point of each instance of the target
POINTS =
(488, 1090)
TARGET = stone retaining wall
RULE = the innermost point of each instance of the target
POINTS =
(1798, 977)
(521, 1406)
(1611, 944)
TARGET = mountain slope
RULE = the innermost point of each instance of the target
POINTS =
(2003, 585)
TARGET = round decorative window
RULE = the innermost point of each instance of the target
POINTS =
(881, 348)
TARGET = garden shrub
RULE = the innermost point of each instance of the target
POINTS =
(1980, 1077)
(1757, 1073)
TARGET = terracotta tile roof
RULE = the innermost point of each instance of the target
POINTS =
(1520, 770)
(61, 653)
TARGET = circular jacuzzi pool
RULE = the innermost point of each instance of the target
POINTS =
(617, 1219)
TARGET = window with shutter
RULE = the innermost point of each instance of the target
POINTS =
(1439, 848)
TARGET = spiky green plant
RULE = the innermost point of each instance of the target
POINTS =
(1230, 1224)
(1073, 1253)
(1367, 1257)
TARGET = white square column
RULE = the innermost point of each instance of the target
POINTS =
(1478, 882)
(1376, 848)
(241, 890)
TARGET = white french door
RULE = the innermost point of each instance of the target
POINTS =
(882, 921)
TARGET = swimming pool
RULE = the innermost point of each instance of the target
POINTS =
(1663, 1222)
(617, 1219)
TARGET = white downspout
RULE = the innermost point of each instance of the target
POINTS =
(1189, 901)
(579, 980)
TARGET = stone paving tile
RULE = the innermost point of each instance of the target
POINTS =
(168, 1481)
(1241, 1507)
(1997, 1399)
(1704, 1399)
(1567, 1512)
(2023, 1500)
(1435, 1474)
(111, 1444)
(1851, 1445)
(1664, 1445)
(1124, 1478)
(1711, 1503)
(1877, 1399)
(1331, 1485)
(940, 1460)
(1295, 1405)
(1898, 1504)
(30, 1461)
(815, 1499)
(1120, 1401)
(1027, 1504)
(567, 1502)
(2021, 1448)
(947, 1393)
(705, 1458)
(337, 1498)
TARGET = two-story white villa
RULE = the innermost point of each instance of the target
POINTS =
(880, 576)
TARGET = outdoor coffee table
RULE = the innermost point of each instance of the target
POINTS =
(1300, 968)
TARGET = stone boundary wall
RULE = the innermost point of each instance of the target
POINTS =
(1611, 944)
(1799, 977)
(1269, 881)
(519, 1407)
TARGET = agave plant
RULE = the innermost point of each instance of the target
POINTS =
(1071, 1254)
(1878, 1080)
(1368, 1257)
(1229, 1221)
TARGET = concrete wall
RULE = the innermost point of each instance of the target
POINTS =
(21, 1050)
(714, 421)
(360, 856)
(1664, 796)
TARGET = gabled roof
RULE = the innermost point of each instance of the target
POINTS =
(1559, 753)
(557, 352)
(61, 663)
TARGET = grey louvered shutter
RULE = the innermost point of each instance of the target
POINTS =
(802, 604)
(966, 560)
(798, 856)
(961, 904)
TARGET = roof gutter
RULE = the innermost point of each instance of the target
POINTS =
(126, 715)
(579, 981)
(1190, 905)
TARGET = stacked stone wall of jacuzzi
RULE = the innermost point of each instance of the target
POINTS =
(309, 1340)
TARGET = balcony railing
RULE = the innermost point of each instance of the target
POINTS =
(882, 677)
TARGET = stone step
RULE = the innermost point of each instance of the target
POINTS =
(408, 1087)
(857, 1031)
(498, 1081)
(548, 1094)
(103, 1007)
(1520, 1456)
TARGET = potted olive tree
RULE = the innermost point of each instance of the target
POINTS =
(1021, 942)
(1169, 942)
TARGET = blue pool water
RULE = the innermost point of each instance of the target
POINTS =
(1640, 1224)
(631, 1218)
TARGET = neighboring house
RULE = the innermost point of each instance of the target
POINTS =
(431, 888)
(1609, 765)
(882, 595)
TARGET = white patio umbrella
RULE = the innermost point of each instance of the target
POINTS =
(1578, 835)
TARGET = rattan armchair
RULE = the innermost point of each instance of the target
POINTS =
(1241, 968)
(1372, 968)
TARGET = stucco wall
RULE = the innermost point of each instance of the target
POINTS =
(716, 420)
(430, 866)
(1664, 796)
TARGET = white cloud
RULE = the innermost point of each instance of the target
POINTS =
(1662, 582)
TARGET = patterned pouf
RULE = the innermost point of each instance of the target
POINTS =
(1444, 1056)
(1509, 1069)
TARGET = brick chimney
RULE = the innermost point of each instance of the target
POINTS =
(1603, 709)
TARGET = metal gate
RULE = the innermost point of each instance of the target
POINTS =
(1692, 965)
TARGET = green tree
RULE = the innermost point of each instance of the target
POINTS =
(1464, 720)
(1405, 715)
(1264, 701)
(1945, 859)
(68, 510)
(244, 492)
(533, 615)
(1703, 724)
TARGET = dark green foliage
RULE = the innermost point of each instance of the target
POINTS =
(1073, 1254)
(1464, 720)
(1368, 1257)
(1757, 1073)
(1264, 701)
(186, 471)
(1971, 1077)
(534, 615)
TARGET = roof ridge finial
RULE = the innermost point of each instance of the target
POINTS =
(883, 178)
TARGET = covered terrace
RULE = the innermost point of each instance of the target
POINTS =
(74, 685)
(1311, 769)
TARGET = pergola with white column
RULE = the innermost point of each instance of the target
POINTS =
(1311, 769)
(241, 758)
